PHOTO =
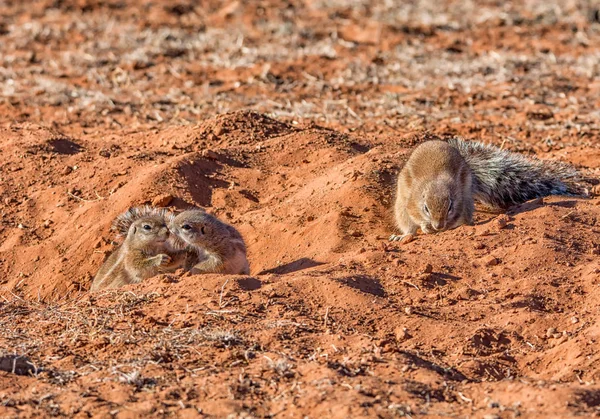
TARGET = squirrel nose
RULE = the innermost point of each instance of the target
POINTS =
(437, 226)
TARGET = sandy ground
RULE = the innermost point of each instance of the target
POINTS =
(290, 120)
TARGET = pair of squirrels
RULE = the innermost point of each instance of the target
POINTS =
(158, 241)
(439, 183)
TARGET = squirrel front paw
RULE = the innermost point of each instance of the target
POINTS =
(426, 228)
(163, 259)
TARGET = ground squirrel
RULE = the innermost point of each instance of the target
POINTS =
(145, 252)
(219, 247)
(440, 181)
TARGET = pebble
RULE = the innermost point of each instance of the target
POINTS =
(67, 170)
(490, 261)
(550, 332)
(574, 320)
(407, 239)
(427, 269)
(501, 222)
(210, 154)
(537, 201)
(162, 200)
(218, 130)
(401, 334)
(483, 232)
(408, 310)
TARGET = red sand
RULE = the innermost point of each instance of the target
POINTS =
(112, 104)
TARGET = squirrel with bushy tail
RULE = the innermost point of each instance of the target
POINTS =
(441, 180)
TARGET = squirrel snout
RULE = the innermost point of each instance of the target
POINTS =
(438, 225)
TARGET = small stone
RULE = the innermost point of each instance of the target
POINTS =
(355, 233)
(537, 201)
(47, 223)
(427, 269)
(104, 153)
(574, 320)
(162, 200)
(210, 154)
(21, 226)
(501, 222)
(489, 260)
(407, 239)
(401, 334)
(560, 340)
(67, 170)
(408, 310)
(218, 130)
(478, 246)
(550, 332)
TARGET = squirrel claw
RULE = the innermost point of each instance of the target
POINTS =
(395, 238)
(164, 259)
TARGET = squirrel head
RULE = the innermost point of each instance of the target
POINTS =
(440, 205)
(124, 221)
(148, 231)
(193, 227)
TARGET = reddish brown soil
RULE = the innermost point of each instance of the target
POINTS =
(290, 120)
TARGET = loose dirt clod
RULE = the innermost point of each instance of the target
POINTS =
(489, 260)
(162, 200)
(407, 239)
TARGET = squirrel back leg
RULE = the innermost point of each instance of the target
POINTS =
(468, 209)
(109, 270)
(237, 264)
(211, 264)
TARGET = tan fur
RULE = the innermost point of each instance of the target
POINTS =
(144, 253)
(219, 247)
(434, 190)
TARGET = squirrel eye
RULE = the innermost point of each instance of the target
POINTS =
(147, 227)
(425, 209)
(202, 230)
(186, 227)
